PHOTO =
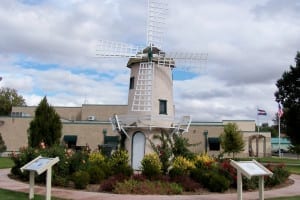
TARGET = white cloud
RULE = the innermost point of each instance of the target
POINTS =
(250, 44)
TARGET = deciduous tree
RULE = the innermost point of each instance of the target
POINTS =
(9, 98)
(231, 139)
(288, 94)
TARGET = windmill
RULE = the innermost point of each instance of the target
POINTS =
(150, 97)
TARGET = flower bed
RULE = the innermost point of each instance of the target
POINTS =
(113, 174)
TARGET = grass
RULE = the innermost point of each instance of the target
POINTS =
(279, 160)
(6, 163)
(290, 163)
(285, 198)
(12, 195)
(293, 165)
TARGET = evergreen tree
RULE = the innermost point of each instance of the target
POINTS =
(288, 94)
(2, 144)
(232, 139)
(45, 127)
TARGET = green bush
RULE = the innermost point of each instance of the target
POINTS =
(119, 163)
(151, 166)
(78, 161)
(181, 166)
(81, 179)
(26, 155)
(2, 144)
(211, 179)
(280, 175)
(96, 174)
(218, 183)
(250, 184)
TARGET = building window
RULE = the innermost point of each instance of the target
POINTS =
(214, 144)
(162, 106)
(131, 83)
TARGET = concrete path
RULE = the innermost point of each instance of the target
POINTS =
(10, 184)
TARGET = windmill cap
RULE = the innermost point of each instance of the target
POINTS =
(143, 56)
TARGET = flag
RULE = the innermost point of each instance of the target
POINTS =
(280, 111)
(261, 112)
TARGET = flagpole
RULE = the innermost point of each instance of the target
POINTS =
(279, 150)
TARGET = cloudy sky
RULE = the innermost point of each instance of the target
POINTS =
(47, 47)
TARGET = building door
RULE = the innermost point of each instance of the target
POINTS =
(138, 150)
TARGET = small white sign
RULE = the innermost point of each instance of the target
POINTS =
(40, 163)
(251, 168)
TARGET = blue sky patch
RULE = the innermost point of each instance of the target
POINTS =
(183, 75)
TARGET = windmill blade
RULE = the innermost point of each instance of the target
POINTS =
(111, 49)
(188, 61)
(157, 11)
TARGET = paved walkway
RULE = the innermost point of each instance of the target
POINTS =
(10, 184)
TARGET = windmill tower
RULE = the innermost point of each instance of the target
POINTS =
(150, 98)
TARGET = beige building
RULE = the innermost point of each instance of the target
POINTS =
(89, 122)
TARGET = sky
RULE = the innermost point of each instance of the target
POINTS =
(48, 47)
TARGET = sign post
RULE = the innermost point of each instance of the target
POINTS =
(39, 165)
(249, 169)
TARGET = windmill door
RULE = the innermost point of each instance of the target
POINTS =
(138, 150)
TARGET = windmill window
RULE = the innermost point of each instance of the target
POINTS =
(131, 83)
(162, 106)
(214, 144)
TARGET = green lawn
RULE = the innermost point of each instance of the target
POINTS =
(289, 162)
(6, 163)
(286, 198)
(12, 195)
(279, 160)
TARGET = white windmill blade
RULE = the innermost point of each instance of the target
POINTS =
(157, 11)
(188, 61)
(111, 49)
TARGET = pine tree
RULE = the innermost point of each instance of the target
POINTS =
(232, 139)
(45, 127)
(2, 144)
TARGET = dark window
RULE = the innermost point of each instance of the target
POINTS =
(131, 84)
(70, 140)
(162, 106)
(214, 144)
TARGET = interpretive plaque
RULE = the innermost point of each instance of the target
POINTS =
(39, 165)
(249, 169)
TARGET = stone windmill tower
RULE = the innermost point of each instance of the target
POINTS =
(150, 98)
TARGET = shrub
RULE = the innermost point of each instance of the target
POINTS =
(181, 166)
(78, 162)
(201, 176)
(96, 174)
(187, 183)
(204, 161)
(2, 144)
(119, 163)
(280, 175)
(26, 154)
(131, 186)
(250, 184)
(151, 166)
(96, 158)
(109, 184)
(81, 179)
(226, 169)
(211, 179)
(218, 183)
